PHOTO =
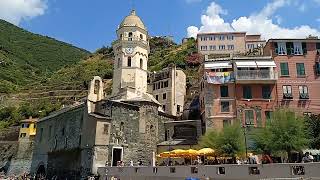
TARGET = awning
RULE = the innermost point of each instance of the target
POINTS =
(246, 64)
(266, 64)
(217, 65)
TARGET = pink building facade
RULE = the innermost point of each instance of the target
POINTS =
(297, 60)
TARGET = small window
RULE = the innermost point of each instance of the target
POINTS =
(247, 93)
(161, 84)
(225, 106)
(230, 47)
(284, 69)
(249, 117)
(222, 38)
(194, 170)
(224, 91)
(154, 86)
(300, 69)
(298, 170)
(141, 36)
(122, 126)
(164, 96)
(222, 47)
(119, 63)
(221, 170)
(254, 171)
(303, 92)
(105, 128)
(63, 131)
(130, 36)
(141, 64)
(164, 107)
(178, 108)
(287, 92)
(157, 97)
(129, 61)
(172, 170)
(22, 135)
(266, 92)
(166, 84)
(96, 86)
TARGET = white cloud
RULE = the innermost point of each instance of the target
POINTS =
(16, 10)
(256, 23)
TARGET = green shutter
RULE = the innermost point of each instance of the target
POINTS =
(284, 69)
(300, 69)
(247, 94)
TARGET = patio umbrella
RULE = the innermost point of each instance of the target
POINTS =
(192, 152)
(178, 153)
(206, 152)
(164, 154)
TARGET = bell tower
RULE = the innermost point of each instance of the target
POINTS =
(131, 51)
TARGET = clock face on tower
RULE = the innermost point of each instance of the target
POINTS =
(129, 50)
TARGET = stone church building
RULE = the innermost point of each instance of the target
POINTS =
(76, 140)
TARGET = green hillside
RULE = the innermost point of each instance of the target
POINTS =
(26, 58)
(45, 87)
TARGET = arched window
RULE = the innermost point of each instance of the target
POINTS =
(141, 63)
(121, 126)
(130, 36)
(129, 61)
(119, 62)
(141, 36)
(120, 36)
(96, 87)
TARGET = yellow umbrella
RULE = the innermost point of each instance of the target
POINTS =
(178, 152)
(192, 152)
(206, 151)
(164, 154)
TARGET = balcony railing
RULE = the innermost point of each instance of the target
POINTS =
(131, 39)
(256, 75)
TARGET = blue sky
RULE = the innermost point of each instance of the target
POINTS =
(90, 24)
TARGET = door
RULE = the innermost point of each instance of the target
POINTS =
(116, 155)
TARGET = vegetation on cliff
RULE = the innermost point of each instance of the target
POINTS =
(27, 58)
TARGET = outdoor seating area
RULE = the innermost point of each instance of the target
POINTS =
(205, 156)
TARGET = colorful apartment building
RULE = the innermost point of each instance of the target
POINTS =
(237, 88)
(28, 129)
(228, 42)
(298, 64)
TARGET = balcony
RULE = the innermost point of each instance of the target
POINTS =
(256, 76)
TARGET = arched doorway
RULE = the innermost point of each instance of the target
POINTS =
(41, 172)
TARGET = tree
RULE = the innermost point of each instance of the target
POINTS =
(228, 142)
(313, 130)
(284, 133)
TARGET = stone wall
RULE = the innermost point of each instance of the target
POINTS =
(57, 136)
(22, 161)
(8, 150)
